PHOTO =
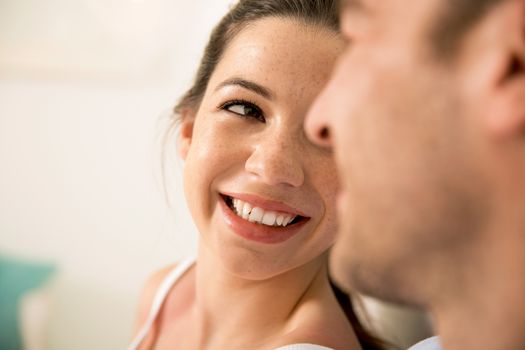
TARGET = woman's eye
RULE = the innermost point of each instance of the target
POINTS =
(245, 109)
(239, 109)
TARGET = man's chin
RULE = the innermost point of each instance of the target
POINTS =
(341, 267)
(352, 272)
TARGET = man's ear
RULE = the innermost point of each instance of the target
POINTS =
(506, 115)
(185, 136)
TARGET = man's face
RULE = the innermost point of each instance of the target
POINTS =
(394, 116)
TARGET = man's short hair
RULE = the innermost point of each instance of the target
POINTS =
(458, 17)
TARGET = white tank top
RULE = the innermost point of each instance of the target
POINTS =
(163, 290)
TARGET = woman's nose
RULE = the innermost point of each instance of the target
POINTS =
(277, 160)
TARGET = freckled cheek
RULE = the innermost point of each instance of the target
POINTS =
(329, 178)
(330, 203)
(326, 183)
(328, 228)
(206, 165)
(216, 152)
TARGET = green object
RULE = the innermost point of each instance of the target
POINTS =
(17, 277)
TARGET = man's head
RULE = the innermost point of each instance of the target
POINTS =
(426, 113)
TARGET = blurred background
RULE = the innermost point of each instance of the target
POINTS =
(85, 90)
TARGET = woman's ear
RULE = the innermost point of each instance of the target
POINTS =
(185, 135)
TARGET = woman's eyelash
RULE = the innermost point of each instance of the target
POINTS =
(247, 109)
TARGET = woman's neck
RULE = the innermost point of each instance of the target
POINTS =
(226, 303)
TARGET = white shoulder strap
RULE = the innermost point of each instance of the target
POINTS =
(432, 343)
(158, 300)
(303, 347)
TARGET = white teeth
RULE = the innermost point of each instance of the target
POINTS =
(259, 215)
(256, 215)
(245, 210)
(269, 218)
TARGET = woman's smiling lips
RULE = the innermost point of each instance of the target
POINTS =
(264, 221)
(265, 204)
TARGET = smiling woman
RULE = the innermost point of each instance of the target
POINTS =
(261, 194)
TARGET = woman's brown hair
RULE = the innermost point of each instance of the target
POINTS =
(322, 13)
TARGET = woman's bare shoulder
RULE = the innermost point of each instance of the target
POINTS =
(147, 295)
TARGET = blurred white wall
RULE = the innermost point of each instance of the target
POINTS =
(84, 85)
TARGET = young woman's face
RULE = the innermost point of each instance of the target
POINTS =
(262, 195)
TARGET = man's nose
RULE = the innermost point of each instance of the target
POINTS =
(317, 124)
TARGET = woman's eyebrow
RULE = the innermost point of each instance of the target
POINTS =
(249, 85)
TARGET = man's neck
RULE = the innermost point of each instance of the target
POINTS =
(487, 311)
